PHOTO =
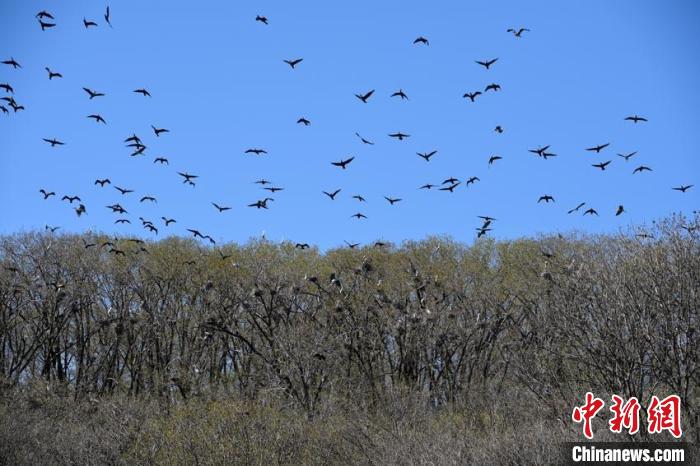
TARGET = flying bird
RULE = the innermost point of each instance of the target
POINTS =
(400, 136)
(487, 63)
(359, 198)
(159, 131)
(52, 74)
(518, 32)
(168, 221)
(256, 151)
(92, 93)
(472, 180)
(273, 189)
(98, 118)
(601, 165)
(493, 87)
(12, 62)
(261, 19)
(80, 210)
(148, 198)
(107, 17)
(400, 93)
(70, 199)
(598, 148)
(427, 186)
(220, 208)
(123, 190)
(359, 216)
(392, 200)
(143, 92)
(303, 121)
(627, 156)
(46, 25)
(343, 163)
(187, 178)
(575, 209)
(333, 194)
(47, 194)
(683, 188)
(641, 168)
(471, 95)
(546, 198)
(635, 119)
(7, 88)
(54, 142)
(364, 97)
(89, 24)
(591, 211)
(161, 160)
(427, 156)
(102, 182)
(451, 188)
(498, 129)
(293, 63)
(421, 40)
(493, 158)
(364, 140)
(620, 210)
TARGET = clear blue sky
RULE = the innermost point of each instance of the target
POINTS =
(219, 84)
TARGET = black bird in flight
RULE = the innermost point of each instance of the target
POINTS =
(359, 215)
(620, 210)
(683, 188)
(133, 138)
(352, 245)
(599, 148)
(273, 189)
(89, 24)
(427, 156)
(12, 62)
(518, 32)
(471, 95)
(343, 163)
(98, 118)
(46, 25)
(575, 209)
(161, 160)
(451, 188)
(364, 97)
(123, 190)
(472, 180)
(261, 204)
(168, 221)
(70, 199)
(641, 168)
(601, 165)
(591, 211)
(539, 151)
(116, 208)
(333, 194)
(220, 208)
(80, 210)
(359, 198)
(421, 40)
(51, 229)
(159, 131)
(392, 200)
(47, 194)
(54, 142)
(7, 88)
(486, 218)
(493, 87)
(293, 63)
(546, 198)
(498, 129)
(102, 183)
(187, 178)
(627, 156)
(635, 119)
(427, 186)
(148, 198)
(493, 158)
(263, 182)
(400, 93)
(487, 64)
(256, 151)
(364, 140)
(261, 19)
(450, 180)
(303, 121)
(44, 14)
(107, 17)
(195, 233)
(143, 92)
(302, 245)
(400, 136)
(92, 93)
(52, 74)
(123, 220)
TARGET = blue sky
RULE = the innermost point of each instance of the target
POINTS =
(218, 82)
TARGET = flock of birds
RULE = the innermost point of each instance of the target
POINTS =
(137, 147)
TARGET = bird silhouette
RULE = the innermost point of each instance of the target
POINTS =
(641, 168)
(627, 156)
(92, 93)
(256, 151)
(52, 74)
(195, 233)
(80, 210)
(493, 87)
(46, 25)
(498, 129)
(598, 148)
(359, 198)
(427, 186)
(472, 180)
(620, 210)
(471, 95)
(591, 211)
(601, 165)
(303, 121)
(451, 188)
(43, 14)
(487, 63)
(148, 198)
(635, 119)
(168, 221)
(493, 158)
(107, 16)
(71, 199)
(102, 182)
(88, 24)
(273, 190)
(123, 190)
(294, 63)
(427, 156)
(683, 188)
(365, 96)
(421, 40)
(539, 151)
(261, 19)
(365, 141)
(351, 246)
(47, 194)
(358, 216)
(7, 88)
(450, 180)
(12, 62)
(54, 142)
(261, 204)
(575, 209)
(546, 198)
(159, 131)
(143, 92)
(518, 32)
(98, 118)
(161, 160)
(392, 200)
(400, 93)
(262, 182)
(333, 194)
(220, 208)
(400, 136)
(122, 221)
(51, 229)
(343, 163)
(187, 178)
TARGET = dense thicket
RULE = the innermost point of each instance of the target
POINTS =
(532, 323)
